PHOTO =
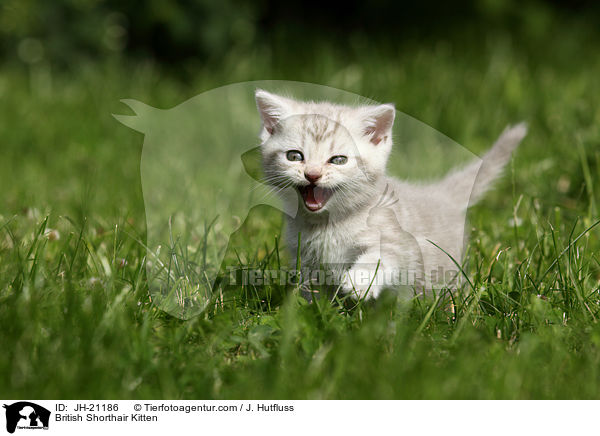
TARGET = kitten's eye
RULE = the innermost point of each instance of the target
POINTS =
(295, 156)
(338, 160)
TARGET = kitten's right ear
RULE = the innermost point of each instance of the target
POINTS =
(272, 108)
(378, 121)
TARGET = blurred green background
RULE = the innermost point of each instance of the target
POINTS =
(465, 69)
(75, 317)
(180, 33)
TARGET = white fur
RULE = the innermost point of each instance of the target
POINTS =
(372, 222)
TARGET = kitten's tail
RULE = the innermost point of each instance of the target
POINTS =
(485, 172)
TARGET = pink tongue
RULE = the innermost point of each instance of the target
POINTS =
(314, 196)
(318, 194)
(309, 197)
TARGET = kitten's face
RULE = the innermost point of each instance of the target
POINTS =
(331, 155)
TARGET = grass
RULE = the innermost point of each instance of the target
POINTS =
(76, 320)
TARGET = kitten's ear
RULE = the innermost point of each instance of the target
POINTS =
(272, 108)
(378, 122)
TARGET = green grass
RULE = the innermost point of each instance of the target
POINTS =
(76, 320)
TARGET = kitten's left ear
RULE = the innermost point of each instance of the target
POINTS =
(378, 122)
(272, 108)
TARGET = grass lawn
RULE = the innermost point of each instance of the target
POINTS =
(76, 320)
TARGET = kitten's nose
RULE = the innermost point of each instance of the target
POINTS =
(312, 176)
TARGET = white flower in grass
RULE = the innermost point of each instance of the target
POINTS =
(52, 234)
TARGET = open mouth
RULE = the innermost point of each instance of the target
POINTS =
(315, 197)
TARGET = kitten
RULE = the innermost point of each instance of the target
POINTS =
(369, 231)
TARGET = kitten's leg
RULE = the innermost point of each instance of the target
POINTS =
(376, 270)
(366, 278)
(394, 260)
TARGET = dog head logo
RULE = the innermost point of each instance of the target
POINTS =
(26, 415)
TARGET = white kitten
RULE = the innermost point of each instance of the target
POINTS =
(369, 231)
